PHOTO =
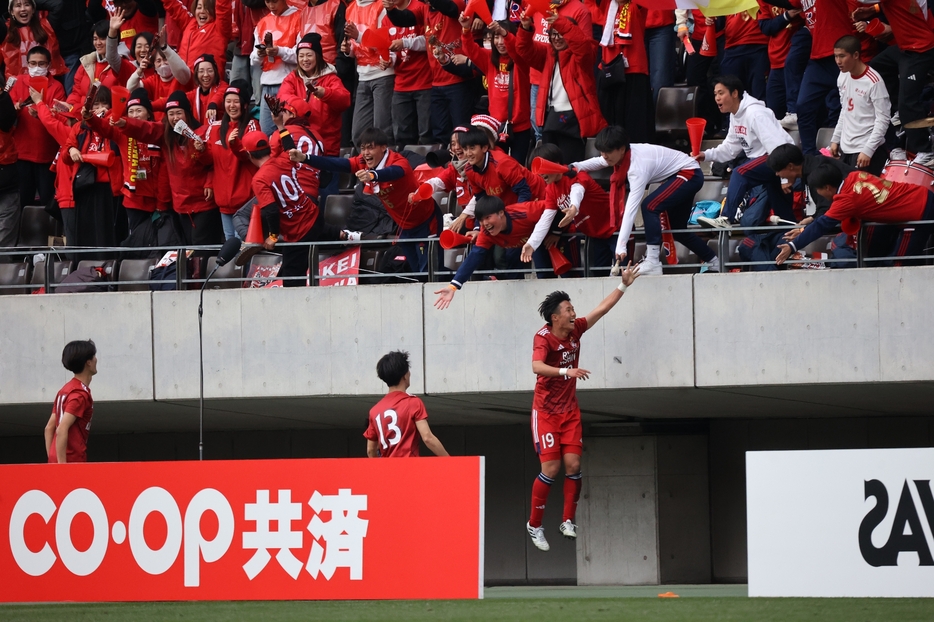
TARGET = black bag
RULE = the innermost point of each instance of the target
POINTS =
(613, 73)
(85, 177)
(392, 262)
(86, 279)
(369, 216)
(164, 278)
(161, 229)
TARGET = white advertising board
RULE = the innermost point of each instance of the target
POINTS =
(840, 523)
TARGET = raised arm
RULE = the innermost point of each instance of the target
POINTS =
(629, 275)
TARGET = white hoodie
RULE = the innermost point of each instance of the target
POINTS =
(753, 130)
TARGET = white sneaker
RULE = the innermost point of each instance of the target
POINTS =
(648, 267)
(352, 236)
(720, 222)
(711, 266)
(790, 122)
(538, 537)
(568, 530)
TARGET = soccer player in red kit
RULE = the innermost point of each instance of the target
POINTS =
(396, 418)
(66, 433)
(556, 417)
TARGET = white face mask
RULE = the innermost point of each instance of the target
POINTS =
(38, 72)
(164, 71)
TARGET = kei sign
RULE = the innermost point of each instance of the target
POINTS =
(243, 530)
(341, 269)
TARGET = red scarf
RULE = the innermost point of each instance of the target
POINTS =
(618, 189)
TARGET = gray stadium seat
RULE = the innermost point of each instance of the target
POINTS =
(14, 274)
(228, 271)
(714, 190)
(445, 201)
(60, 269)
(135, 270)
(109, 266)
(824, 136)
(676, 104)
(422, 150)
(453, 258)
(795, 137)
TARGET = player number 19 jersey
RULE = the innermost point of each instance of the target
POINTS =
(556, 396)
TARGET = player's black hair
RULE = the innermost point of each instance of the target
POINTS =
(783, 155)
(76, 354)
(611, 138)
(849, 44)
(38, 49)
(551, 303)
(474, 137)
(732, 83)
(548, 151)
(373, 136)
(825, 175)
(393, 367)
(487, 206)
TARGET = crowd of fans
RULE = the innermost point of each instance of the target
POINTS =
(496, 83)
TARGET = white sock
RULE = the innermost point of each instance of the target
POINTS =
(651, 252)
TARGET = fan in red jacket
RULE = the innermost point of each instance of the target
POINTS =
(315, 82)
(206, 27)
(27, 29)
(233, 170)
(573, 114)
(111, 69)
(492, 172)
(208, 96)
(59, 126)
(9, 195)
(507, 79)
(188, 164)
(95, 200)
(35, 147)
(142, 162)
(170, 75)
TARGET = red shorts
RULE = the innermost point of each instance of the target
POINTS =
(556, 435)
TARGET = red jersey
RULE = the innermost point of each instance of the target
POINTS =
(501, 175)
(912, 32)
(445, 31)
(657, 18)
(741, 29)
(395, 194)
(780, 44)
(413, 73)
(294, 188)
(828, 20)
(522, 218)
(74, 398)
(868, 197)
(593, 218)
(556, 396)
(392, 425)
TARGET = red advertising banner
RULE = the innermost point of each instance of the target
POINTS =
(243, 530)
(340, 270)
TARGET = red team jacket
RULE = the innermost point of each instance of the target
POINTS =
(501, 175)
(233, 169)
(392, 425)
(395, 194)
(497, 79)
(33, 141)
(195, 41)
(74, 398)
(325, 119)
(141, 194)
(522, 220)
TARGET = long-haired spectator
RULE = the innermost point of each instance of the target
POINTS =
(28, 28)
(110, 68)
(567, 108)
(315, 81)
(206, 27)
(208, 95)
(233, 171)
(10, 208)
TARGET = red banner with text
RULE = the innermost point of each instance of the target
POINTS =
(243, 530)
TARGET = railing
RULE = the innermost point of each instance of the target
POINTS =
(435, 272)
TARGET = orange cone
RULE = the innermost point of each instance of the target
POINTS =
(254, 234)
(541, 166)
(696, 127)
(451, 239)
(100, 158)
(424, 192)
(559, 263)
(479, 8)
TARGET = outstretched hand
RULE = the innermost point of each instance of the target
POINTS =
(445, 296)
(630, 274)
(784, 254)
(577, 372)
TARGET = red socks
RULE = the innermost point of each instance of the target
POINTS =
(572, 492)
(540, 488)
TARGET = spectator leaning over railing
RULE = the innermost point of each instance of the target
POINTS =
(861, 196)
(754, 132)
(859, 137)
(791, 164)
(640, 165)
(567, 109)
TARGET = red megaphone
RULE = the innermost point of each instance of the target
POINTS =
(479, 8)
(424, 192)
(541, 166)
(40, 83)
(119, 96)
(377, 38)
(451, 239)
(99, 158)
(850, 226)
(696, 127)
(559, 263)
(709, 45)
(539, 6)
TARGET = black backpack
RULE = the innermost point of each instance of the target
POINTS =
(160, 230)
(369, 216)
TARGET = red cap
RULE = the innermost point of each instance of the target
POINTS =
(299, 107)
(254, 141)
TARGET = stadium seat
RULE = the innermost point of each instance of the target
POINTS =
(135, 270)
(675, 105)
(422, 150)
(590, 148)
(795, 137)
(228, 271)
(14, 274)
(36, 226)
(60, 269)
(109, 266)
(714, 190)
(454, 257)
(369, 264)
(347, 152)
(820, 245)
(337, 210)
(824, 136)
(445, 200)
